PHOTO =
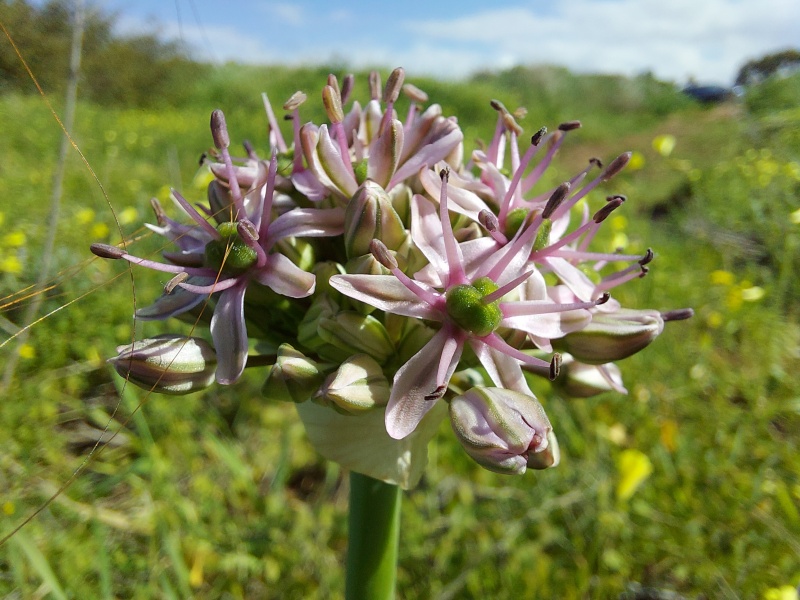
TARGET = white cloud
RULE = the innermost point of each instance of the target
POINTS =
(675, 39)
(708, 39)
(291, 14)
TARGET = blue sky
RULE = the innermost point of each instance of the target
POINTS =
(675, 39)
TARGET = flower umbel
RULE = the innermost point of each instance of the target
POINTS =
(385, 281)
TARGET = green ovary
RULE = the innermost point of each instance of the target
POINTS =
(240, 256)
(466, 306)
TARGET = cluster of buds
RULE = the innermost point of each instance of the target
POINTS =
(394, 279)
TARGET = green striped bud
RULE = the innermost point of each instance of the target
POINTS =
(370, 216)
(293, 377)
(167, 364)
(356, 386)
(355, 334)
(502, 430)
(612, 336)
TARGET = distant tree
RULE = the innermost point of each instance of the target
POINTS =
(136, 71)
(758, 70)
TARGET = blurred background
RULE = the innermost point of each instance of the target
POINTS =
(688, 487)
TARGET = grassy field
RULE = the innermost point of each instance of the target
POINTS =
(219, 495)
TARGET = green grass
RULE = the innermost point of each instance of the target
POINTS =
(219, 495)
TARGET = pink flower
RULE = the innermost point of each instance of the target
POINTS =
(227, 259)
(469, 305)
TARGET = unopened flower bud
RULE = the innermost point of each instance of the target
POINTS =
(613, 336)
(355, 334)
(167, 364)
(308, 336)
(385, 153)
(502, 430)
(357, 385)
(579, 380)
(293, 377)
(370, 216)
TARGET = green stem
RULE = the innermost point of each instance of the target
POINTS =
(373, 538)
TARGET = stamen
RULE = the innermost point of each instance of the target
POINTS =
(275, 136)
(113, 252)
(219, 132)
(414, 93)
(569, 126)
(347, 87)
(196, 216)
(680, 314)
(525, 236)
(616, 166)
(107, 251)
(332, 102)
(493, 152)
(593, 256)
(249, 234)
(161, 216)
(495, 341)
(249, 150)
(602, 214)
(556, 199)
(394, 84)
(207, 290)
(502, 291)
(334, 83)
(269, 194)
(491, 224)
(556, 139)
(488, 220)
(511, 124)
(518, 167)
(437, 393)
(390, 93)
(456, 274)
(581, 193)
(527, 308)
(173, 283)
(381, 253)
(374, 85)
(620, 277)
(648, 256)
(555, 366)
(295, 101)
(536, 138)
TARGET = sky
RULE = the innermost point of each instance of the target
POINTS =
(707, 40)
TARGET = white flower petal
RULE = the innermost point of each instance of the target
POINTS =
(414, 381)
(284, 277)
(230, 334)
(385, 292)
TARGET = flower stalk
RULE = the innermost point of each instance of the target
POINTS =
(373, 538)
